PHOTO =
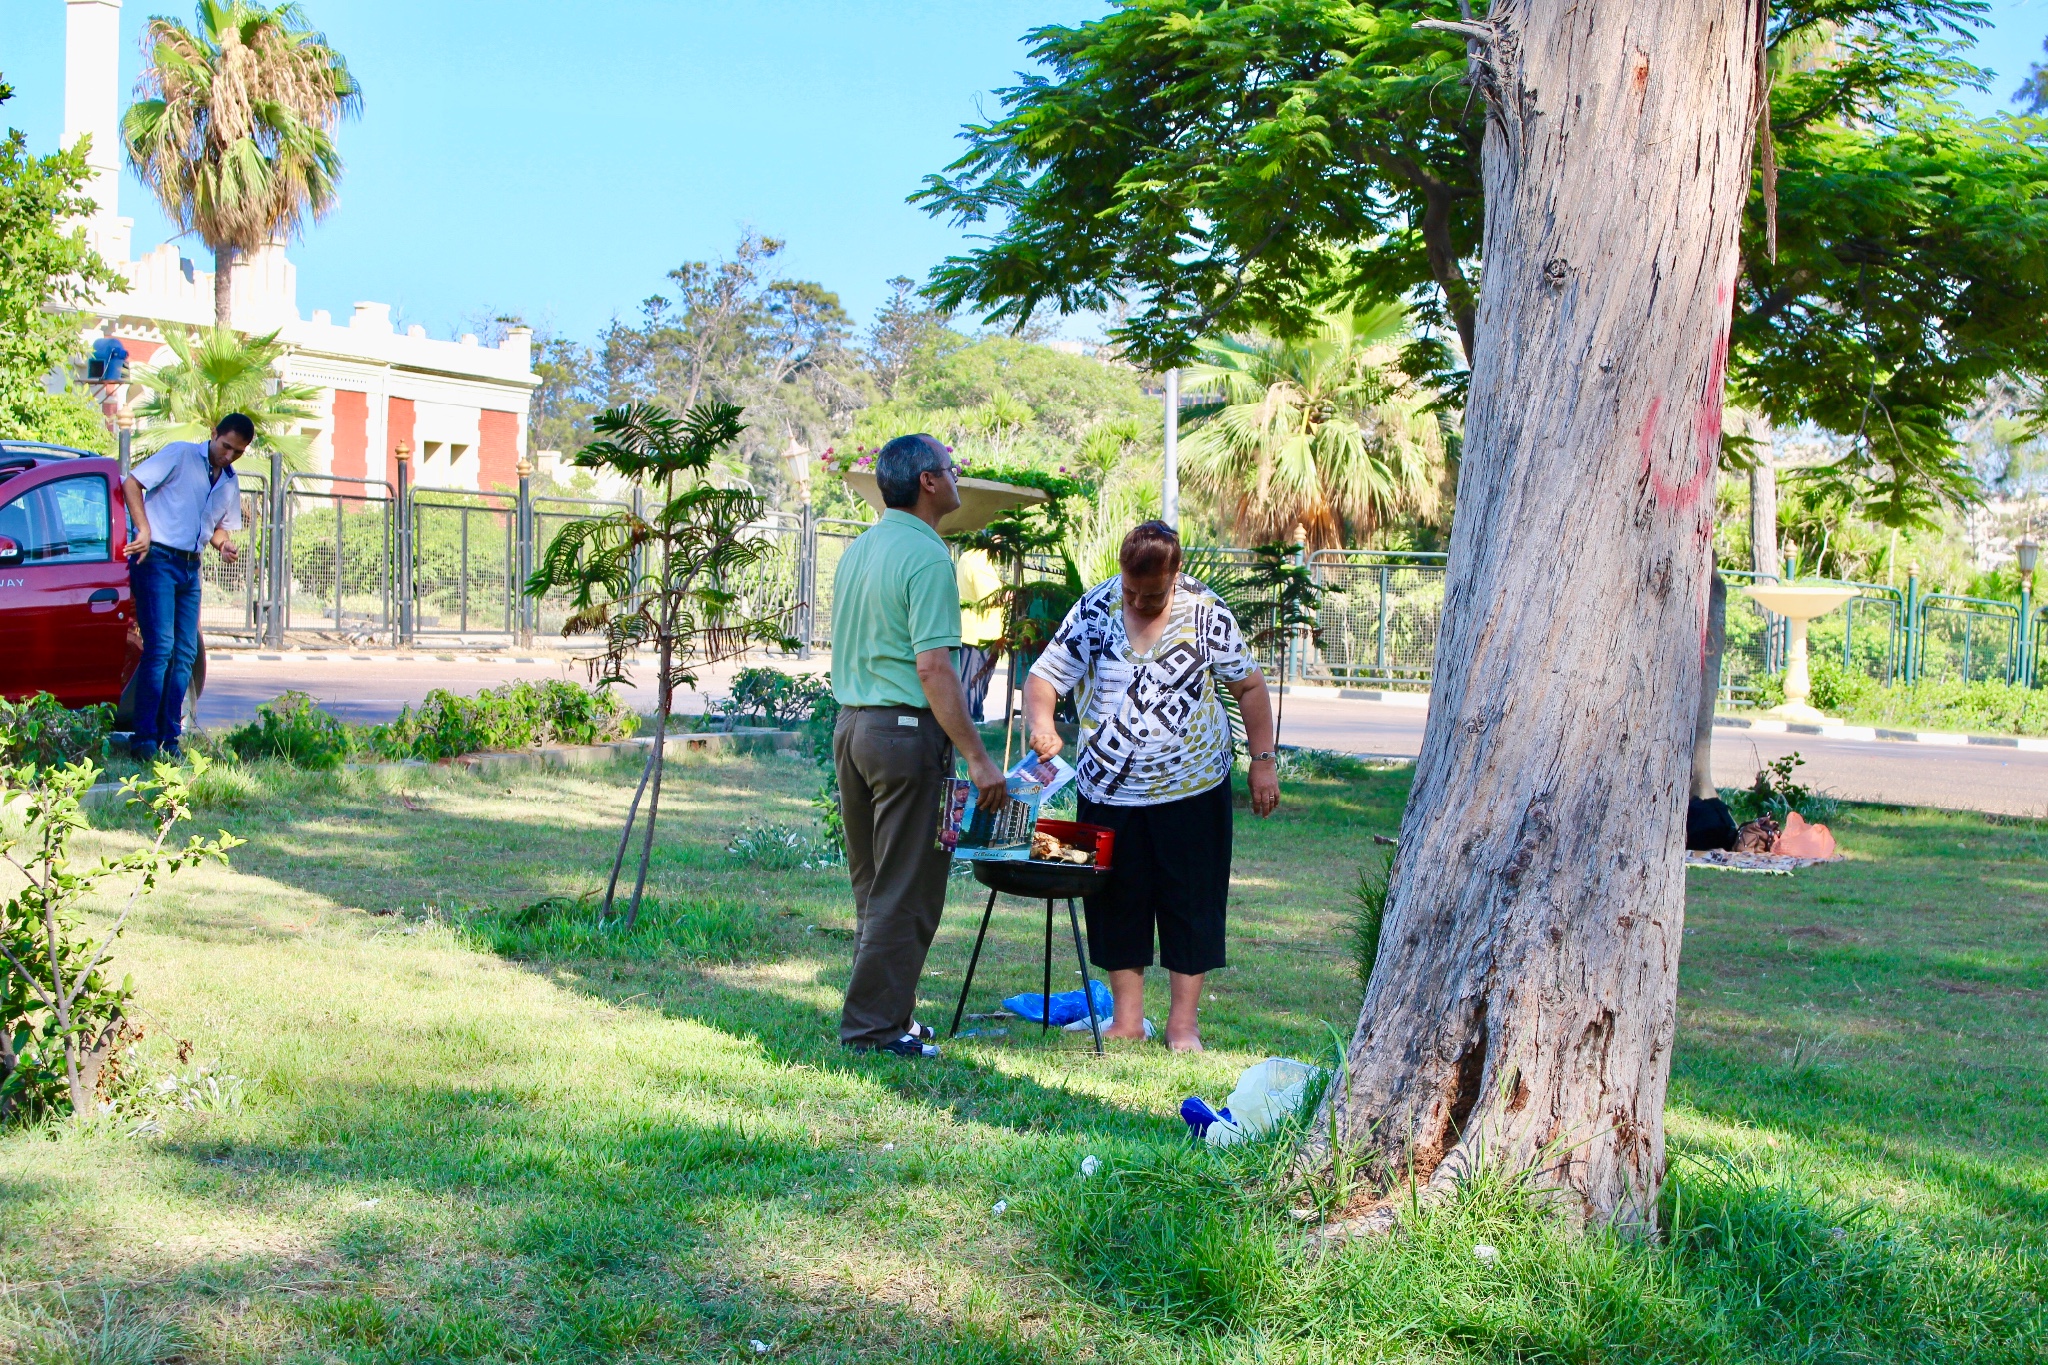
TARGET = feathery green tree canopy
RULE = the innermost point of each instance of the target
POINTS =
(1223, 165)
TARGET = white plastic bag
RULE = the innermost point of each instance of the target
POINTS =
(1266, 1093)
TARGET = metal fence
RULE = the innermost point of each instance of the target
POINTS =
(1869, 635)
(234, 598)
(337, 566)
(1969, 639)
(548, 514)
(337, 558)
(829, 539)
(465, 557)
(1379, 616)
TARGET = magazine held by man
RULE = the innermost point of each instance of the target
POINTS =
(968, 832)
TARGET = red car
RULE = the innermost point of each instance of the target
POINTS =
(67, 621)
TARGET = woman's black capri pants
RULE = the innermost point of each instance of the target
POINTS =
(1170, 868)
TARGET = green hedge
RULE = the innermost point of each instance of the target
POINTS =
(1986, 708)
(520, 715)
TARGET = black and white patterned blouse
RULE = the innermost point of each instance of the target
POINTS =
(1153, 727)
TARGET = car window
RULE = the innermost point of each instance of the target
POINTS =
(59, 523)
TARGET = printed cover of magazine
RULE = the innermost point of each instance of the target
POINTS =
(965, 831)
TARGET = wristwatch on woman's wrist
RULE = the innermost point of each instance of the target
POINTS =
(1266, 757)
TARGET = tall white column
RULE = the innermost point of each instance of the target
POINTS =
(92, 94)
(1169, 485)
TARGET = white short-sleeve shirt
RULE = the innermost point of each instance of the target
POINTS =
(1153, 727)
(184, 501)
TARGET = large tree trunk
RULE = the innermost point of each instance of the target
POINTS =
(223, 287)
(1521, 1011)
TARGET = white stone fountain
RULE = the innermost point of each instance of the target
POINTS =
(1798, 603)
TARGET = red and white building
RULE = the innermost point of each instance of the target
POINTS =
(461, 405)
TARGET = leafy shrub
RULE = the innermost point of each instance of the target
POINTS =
(778, 848)
(1369, 913)
(817, 742)
(774, 697)
(520, 715)
(1776, 791)
(561, 926)
(1995, 708)
(1327, 763)
(293, 729)
(63, 1020)
(44, 733)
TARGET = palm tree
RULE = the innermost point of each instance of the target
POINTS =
(1319, 434)
(234, 130)
(221, 374)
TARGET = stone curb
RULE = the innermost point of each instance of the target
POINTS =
(221, 656)
(1879, 734)
(742, 740)
(1762, 725)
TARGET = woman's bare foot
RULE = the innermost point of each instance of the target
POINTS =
(1136, 1034)
(1187, 1042)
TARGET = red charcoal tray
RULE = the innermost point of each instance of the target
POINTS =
(1083, 836)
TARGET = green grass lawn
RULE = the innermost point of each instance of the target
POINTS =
(465, 1135)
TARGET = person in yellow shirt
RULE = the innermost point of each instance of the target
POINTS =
(981, 627)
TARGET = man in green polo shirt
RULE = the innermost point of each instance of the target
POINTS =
(895, 625)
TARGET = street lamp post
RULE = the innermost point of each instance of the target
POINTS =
(124, 426)
(403, 452)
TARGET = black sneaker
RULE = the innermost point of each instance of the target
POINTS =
(169, 749)
(909, 1045)
(142, 751)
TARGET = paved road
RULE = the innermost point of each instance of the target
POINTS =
(1984, 778)
(1975, 778)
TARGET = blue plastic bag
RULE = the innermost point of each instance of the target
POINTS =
(1067, 1006)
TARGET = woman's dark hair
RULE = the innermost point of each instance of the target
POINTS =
(1151, 547)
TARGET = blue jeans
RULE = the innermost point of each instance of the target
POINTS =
(166, 590)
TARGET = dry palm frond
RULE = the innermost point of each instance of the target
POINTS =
(233, 122)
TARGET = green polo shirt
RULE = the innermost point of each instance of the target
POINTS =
(893, 597)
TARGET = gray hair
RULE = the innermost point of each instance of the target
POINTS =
(901, 462)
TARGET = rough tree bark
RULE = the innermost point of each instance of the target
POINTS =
(224, 287)
(1521, 1011)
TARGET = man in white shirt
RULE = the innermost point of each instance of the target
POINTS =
(181, 499)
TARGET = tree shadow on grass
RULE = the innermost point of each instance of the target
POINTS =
(455, 1223)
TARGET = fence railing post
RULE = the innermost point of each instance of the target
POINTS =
(276, 572)
(1912, 672)
(2026, 650)
(807, 575)
(403, 451)
(524, 604)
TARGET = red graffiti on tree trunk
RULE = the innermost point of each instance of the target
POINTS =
(1706, 438)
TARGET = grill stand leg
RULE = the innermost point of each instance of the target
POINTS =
(972, 962)
(1045, 1022)
(1087, 986)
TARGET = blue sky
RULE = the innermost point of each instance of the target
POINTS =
(557, 160)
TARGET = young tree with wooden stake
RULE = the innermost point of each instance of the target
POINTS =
(659, 581)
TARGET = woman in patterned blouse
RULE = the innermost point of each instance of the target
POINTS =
(1144, 654)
